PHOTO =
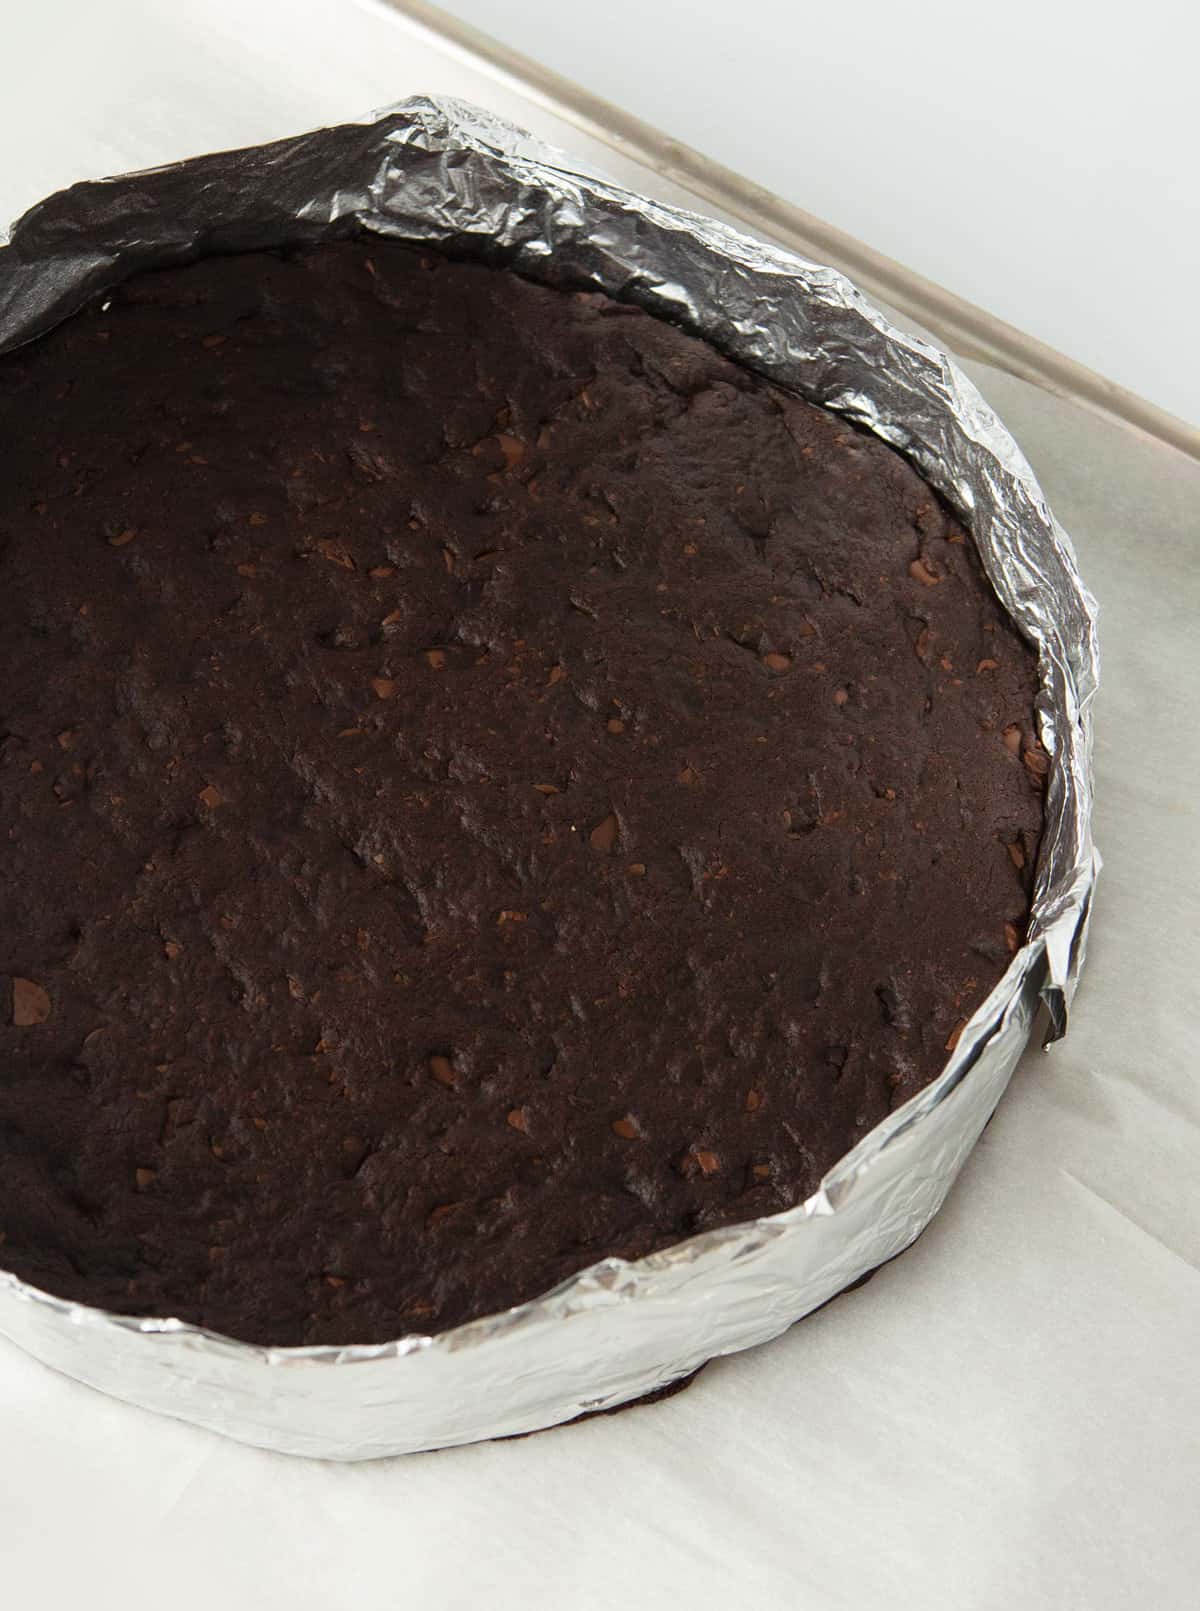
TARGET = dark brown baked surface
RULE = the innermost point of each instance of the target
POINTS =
(485, 784)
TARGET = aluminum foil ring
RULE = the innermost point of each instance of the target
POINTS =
(456, 177)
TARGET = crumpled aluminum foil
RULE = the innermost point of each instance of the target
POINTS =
(452, 175)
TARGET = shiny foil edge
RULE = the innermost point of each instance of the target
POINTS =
(455, 176)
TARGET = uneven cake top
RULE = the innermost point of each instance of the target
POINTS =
(486, 784)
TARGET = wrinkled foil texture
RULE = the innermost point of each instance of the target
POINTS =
(456, 177)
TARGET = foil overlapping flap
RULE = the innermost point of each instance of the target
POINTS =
(456, 177)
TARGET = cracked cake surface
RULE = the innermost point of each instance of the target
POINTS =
(486, 783)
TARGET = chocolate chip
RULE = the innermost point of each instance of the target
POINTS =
(518, 1119)
(30, 1004)
(210, 796)
(774, 661)
(442, 1069)
(436, 658)
(512, 449)
(1037, 762)
(337, 553)
(627, 1128)
(604, 835)
(955, 1035)
(385, 687)
(144, 1178)
(698, 1161)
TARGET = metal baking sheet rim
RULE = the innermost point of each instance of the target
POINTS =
(449, 174)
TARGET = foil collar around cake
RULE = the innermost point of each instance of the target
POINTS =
(441, 172)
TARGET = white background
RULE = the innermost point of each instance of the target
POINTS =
(1005, 1419)
(1039, 157)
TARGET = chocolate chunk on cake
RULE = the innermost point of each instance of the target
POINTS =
(486, 783)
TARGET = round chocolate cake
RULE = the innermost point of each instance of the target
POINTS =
(486, 783)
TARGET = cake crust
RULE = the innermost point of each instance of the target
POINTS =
(486, 783)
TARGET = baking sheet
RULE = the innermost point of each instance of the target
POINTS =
(1008, 1416)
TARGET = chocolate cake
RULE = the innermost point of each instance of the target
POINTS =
(487, 783)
